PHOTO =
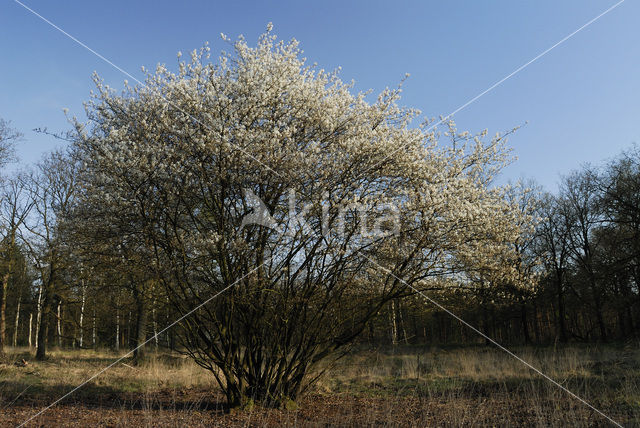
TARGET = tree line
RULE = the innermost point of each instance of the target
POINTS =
(585, 252)
(585, 257)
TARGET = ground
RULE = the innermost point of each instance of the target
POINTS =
(405, 386)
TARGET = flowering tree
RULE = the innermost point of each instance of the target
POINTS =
(360, 206)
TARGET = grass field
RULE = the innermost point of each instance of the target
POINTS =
(470, 386)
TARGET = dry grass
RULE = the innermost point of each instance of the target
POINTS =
(489, 387)
(73, 367)
(479, 364)
(403, 387)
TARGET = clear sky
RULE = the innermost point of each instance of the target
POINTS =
(580, 100)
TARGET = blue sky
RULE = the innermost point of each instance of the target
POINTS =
(580, 100)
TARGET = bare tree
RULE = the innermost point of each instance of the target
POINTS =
(51, 188)
(553, 246)
(584, 215)
(620, 189)
(8, 137)
(14, 208)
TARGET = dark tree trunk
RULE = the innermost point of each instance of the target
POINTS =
(599, 317)
(486, 324)
(536, 327)
(141, 323)
(41, 339)
(630, 322)
(523, 318)
(562, 324)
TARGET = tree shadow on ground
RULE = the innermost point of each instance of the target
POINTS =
(25, 393)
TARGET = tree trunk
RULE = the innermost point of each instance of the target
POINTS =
(402, 325)
(598, 309)
(59, 323)
(523, 318)
(630, 321)
(167, 335)
(129, 335)
(84, 299)
(3, 291)
(17, 324)
(394, 324)
(39, 315)
(41, 340)
(562, 325)
(141, 322)
(93, 330)
(536, 324)
(155, 325)
(3, 310)
(485, 323)
(30, 329)
(117, 329)
(601, 325)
